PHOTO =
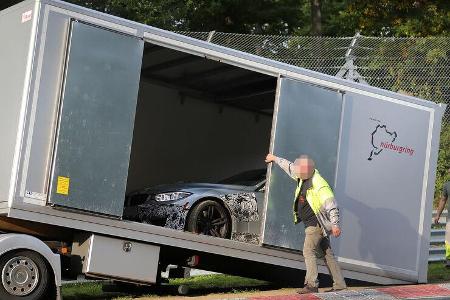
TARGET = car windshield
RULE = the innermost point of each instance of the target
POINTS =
(248, 178)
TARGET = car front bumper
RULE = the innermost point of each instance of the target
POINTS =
(170, 215)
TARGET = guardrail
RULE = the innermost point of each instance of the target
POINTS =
(437, 239)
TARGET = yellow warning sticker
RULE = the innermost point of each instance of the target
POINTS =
(62, 187)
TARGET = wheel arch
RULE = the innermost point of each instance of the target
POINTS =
(216, 199)
(12, 241)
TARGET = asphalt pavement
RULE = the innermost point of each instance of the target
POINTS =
(425, 291)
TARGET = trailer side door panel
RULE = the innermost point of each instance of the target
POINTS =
(96, 120)
(306, 121)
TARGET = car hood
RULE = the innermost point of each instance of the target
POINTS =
(194, 186)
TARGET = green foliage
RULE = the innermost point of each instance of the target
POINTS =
(442, 175)
(339, 17)
(166, 14)
(251, 16)
(218, 281)
(419, 72)
(397, 17)
(198, 285)
(437, 272)
(334, 23)
(90, 290)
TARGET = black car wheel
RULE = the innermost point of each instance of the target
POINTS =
(25, 275)
(210, 218)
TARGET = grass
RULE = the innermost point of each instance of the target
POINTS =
(198, 285)
(204, 285)
(218, 281)
(437, 272)
(91, 290)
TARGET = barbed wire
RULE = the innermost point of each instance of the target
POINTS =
(413, 66)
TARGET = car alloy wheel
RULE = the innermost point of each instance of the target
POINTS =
(210, 218)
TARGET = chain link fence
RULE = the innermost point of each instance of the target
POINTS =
(413, 66)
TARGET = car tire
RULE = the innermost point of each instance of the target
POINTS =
(209, 217)
(24, 275)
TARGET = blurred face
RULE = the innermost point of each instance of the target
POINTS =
(304, 167)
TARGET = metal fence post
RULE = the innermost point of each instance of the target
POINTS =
(348, 70)
(210, 36)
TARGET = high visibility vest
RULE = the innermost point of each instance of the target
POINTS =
(447, 250)
(316, 196)
(447, 241)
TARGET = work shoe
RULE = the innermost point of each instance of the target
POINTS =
(307, 290)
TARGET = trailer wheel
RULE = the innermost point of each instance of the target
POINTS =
(210, 218)
(25, 275)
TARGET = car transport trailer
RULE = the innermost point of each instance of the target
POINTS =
(95, 106)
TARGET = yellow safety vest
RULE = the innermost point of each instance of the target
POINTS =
(316, 196)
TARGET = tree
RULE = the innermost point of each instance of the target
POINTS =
(323, 17)
(408, 18)
(250, 16)
(316, 18)
(166, 14)
(404, 18)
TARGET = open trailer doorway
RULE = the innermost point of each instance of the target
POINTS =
(201, 132)
(198, 119)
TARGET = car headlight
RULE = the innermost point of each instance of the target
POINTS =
(171, 196)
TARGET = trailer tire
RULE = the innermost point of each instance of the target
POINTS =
(24, 275)
(204, 215)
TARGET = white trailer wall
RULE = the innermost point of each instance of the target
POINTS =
(15, 60)
(186, 139)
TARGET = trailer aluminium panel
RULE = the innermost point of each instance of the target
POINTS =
(85, 122)
(96, 106)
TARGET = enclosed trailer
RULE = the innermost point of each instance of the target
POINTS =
(94, 106)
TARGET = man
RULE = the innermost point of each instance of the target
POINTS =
(315, 206)
(442, 202)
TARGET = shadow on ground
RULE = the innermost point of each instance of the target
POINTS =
(109, 291)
